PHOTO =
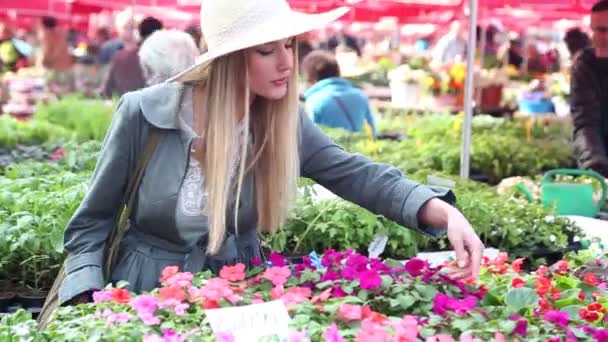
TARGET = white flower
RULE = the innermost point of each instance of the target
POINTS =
(550, 219)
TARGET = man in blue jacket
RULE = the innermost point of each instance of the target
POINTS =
(333, 101)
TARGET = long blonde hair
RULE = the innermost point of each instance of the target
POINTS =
(224, 86)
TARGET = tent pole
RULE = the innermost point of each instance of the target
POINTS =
(465, 155)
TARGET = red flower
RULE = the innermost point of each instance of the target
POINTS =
(517, 283)
(596, 307)
(544, 305)
(555, 294)
(172, 292)
(542, 270)
(581, 296)
(589, 316)
(121, 296)
(210, 304)
(562, 267)
(372, 315)
(543, 285)
(590, 279)
(58, 154)
(168, 272)
(516, 264)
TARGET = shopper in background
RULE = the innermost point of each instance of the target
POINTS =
(125, 74)
(166, 53)
(333, 101)
(54, 56)
(576, 40)
(589, 95)
(452, 47)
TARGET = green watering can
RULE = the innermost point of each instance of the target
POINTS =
(569, 198)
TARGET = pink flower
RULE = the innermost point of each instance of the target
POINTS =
(371, 331)
(216, 289)
(224, 337)
(180, 309)
(440, 338)
(277, 275)
(558, 317)
(145, 306)
(298, 336)
(171, 336)
(102, 296)
(296, 295)
(350, 312)
(233, 273)
(277, 260)
(168, 272)
(443, 303)
(174, 292)
(182, 279)
(369, 280)
(406, 329)
(58, 154)
(277, 292)
(332, 334)
(152, 338)
(469, 338)
(415, 266)
(324, 296)
(499, 337)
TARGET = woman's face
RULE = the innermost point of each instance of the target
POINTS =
(270, 67)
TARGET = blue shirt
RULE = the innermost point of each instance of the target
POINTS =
(335, 103)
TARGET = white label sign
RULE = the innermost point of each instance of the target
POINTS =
(251, 322)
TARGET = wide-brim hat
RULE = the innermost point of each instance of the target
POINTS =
(232, 25)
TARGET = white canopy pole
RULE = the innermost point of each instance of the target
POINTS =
(465, 155)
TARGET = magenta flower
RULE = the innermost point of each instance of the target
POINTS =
(102, 296)
(357, 261)
(256, 261)
(443, 303)
(521, 327)
(332, 334)
(337, 292)
(145, 306)
(415, 266)
(558, 317)
(171, 336)
(330, 275)
(350, 273)
(369, 280)
(277, 260)
(224, 337)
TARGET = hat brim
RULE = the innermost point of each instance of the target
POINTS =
(275, 29)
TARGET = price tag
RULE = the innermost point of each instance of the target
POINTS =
(251, 322)
(377, 246)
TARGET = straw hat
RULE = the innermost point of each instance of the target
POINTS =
(232, 25)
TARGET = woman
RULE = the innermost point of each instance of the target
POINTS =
(333, 101)
(166, 53)
(231, 147)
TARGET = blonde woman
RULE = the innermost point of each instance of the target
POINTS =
(232, 144)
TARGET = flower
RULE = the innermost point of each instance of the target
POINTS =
(518, 282)
(145, 306)
(337, 292)
(332, 334)
(589, 316)
(216, 289)
(171, 336)
(324, 296)
(233, 273)
(596, 307)
(521, 327)
(168, 272)
(277, 275)
(443, 303)
(121, 296)
(562, 267)
(298, 336)
(516, 264)
(296, 295)
(332, 275)
(369, 280)
(183, 279)
(406, 329)
(152, 338)
(558, 317)
(180, 309)
(590, 279)
(543, 285)
(58, 154)
(371, 331)
(224, 337)
(277, 260)
(256, 261)
(210, 304)
(349, 312)
(102, 296)
(415, 266)
(172, 292)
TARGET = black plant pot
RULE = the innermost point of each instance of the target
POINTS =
(32, 302)
(6, 301)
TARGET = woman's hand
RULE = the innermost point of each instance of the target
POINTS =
(464, 240)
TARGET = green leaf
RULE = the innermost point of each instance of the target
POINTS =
(427, 292)
(324, 285)
(122, 284)
(565, 282)
(572, 311)
(462, 324)
(363, 295)
(426, 332)
(520, 298)
(405, 301)
(571, 293)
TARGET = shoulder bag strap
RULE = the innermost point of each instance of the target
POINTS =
(121, 223)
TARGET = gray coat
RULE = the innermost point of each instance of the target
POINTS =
(153, 241)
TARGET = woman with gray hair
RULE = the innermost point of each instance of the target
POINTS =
(166, 53)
